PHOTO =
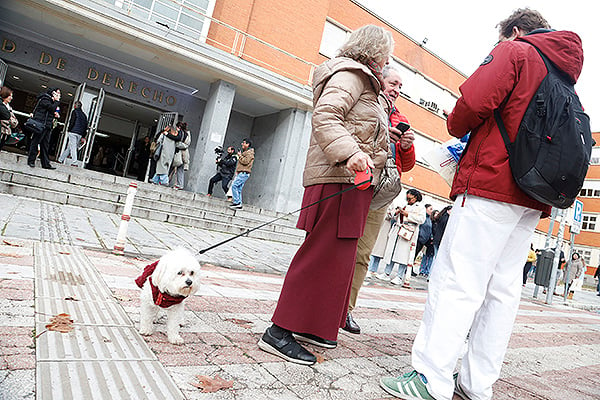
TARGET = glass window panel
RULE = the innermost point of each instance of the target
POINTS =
(595, 159)
(596, 193)
(191, 21)
(333, 38)
(193, 33)
(147, 4)
(202, 5)
(423, 145)
(139, 13)
(166, 10)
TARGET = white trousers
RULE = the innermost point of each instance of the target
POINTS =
(475, 285)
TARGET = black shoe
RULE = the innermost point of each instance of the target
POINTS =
(32, 165)
(286, 348)
(317, 341)
(49, 167)
(351, 325)
(412, 273)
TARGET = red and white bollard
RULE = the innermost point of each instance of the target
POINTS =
(122, 235)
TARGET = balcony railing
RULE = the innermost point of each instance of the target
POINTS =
(189, 18)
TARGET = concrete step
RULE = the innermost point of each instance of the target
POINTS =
(100, 191)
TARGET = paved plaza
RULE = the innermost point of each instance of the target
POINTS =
(56, 259)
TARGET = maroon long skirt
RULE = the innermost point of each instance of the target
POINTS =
(315, 294)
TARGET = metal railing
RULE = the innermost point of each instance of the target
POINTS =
(190, 21)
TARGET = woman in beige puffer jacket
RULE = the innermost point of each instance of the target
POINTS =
(349, 133)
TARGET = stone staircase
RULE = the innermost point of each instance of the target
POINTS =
(105, 192)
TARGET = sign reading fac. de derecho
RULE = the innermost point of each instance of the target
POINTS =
(73, 68)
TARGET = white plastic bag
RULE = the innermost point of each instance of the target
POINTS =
(444, 158)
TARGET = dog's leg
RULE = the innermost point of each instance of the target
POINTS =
(174, 317)
(148, 312)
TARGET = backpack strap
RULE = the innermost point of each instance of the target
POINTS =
(540, 100)
(502, 127)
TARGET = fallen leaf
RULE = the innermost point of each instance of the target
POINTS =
(12, 244)
(64, 252)
(320, 358)
(211, 385)
(71, 298)
(121, 298)
(60, 323)
(10, 255)
(83, 240)
(241, 322)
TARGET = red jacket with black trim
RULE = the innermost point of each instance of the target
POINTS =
(514, 66)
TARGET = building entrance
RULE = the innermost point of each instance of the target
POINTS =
(117, 126)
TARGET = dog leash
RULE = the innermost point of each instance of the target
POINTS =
(362, 181)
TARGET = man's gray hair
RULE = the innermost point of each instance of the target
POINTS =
(387, 69)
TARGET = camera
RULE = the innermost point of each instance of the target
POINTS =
(219, 150)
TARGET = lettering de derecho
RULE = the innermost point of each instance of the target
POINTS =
(132, 87)
(105, 78)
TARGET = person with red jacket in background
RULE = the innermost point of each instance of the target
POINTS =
(401, 146)
(475, 284)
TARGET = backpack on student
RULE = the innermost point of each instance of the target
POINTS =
(551, 153)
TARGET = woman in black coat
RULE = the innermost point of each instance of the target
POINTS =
(44, 112)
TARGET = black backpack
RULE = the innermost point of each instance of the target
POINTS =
(551, 153)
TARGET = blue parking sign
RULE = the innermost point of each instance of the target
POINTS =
(577, 217)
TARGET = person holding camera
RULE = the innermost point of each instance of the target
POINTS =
(44, 113)
(225, 167)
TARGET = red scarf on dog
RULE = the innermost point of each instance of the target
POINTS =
(163, 300)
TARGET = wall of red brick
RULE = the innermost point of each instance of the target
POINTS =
(297, 27)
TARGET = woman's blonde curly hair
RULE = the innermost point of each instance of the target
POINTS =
(368, 43)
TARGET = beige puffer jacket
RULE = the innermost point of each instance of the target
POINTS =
(347, 118)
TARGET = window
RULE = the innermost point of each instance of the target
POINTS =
(333, 38)
(414, 85)
(590, 191)
(595, 159)
(423, 145)
(186, 16)
(424, 92)
(589, 223)
(586, 254)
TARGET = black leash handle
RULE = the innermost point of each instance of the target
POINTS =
(283, 216)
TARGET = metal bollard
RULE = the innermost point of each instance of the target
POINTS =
(122, 235)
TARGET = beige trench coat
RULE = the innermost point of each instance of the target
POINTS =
(399, 250)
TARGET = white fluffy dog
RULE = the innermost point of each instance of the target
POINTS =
(165, 284)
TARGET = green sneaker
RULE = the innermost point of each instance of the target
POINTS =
(458, 390)
(410, 386)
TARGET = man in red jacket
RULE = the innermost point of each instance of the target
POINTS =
(475, 284)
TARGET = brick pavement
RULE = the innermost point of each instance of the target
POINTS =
(554, 351)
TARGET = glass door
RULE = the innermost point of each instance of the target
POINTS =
(3, 69)
(93, 119)
(64, 134)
